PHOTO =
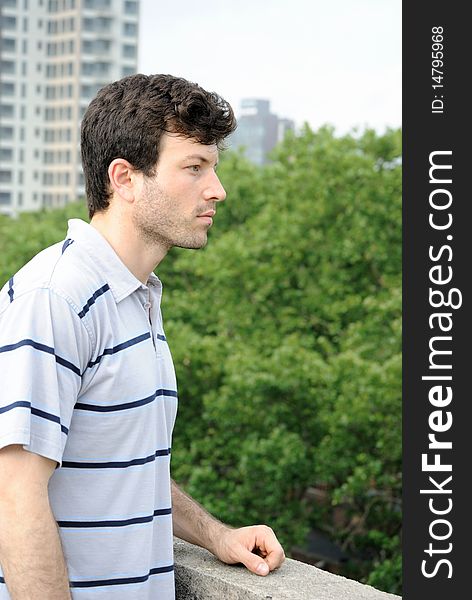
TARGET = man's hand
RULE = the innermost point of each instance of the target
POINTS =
(256, 546)
(248, 545)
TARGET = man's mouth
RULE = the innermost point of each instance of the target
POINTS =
(207, 216)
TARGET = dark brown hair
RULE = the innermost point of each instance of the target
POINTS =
(128, 117)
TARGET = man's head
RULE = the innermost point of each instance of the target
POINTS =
(130, 118)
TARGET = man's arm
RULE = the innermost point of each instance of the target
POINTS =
(194, 524)
(30, 548)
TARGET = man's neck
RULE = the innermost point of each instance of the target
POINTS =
(140, 257)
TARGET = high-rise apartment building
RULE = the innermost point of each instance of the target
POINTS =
(258, 130)
(54, 56)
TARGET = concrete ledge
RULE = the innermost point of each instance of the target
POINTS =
(200, 576)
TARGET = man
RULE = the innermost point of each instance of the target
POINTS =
(88, 396)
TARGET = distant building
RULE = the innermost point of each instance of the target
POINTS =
(258, 130)
(55, 55)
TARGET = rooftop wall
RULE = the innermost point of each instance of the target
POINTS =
(200, 576)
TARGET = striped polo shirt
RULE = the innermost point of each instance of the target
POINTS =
(87, 380)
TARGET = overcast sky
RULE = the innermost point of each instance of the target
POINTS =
(321, 61)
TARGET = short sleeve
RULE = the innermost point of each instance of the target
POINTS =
(44, 349)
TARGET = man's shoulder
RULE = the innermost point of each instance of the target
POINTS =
(63, 268)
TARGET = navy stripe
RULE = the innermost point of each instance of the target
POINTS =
(49, 417)
(118, 464)
(66, 244)
(161, 337)
(10, 289)
(121, 580)
(35, 411)
(127, 405)
(21, 403)
(123, 346)
(92, 300)
(42, 348)
(2, 580)
(121, 523)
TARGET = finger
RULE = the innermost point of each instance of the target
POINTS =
(271, 549)
(253, 562)
(275, 558)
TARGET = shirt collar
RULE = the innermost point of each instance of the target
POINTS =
(120, 279)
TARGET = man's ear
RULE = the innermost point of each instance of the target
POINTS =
(123, 179)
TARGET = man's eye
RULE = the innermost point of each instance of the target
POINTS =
(194, 168)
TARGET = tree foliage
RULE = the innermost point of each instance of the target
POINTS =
(285, 332)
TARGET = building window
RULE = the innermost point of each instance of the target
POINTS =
(103, 24)
(8, 44)
(6, 154)
(87, 46)
(7, 22)
(125, 71)
(5, 176)
(24, 68)
(25, 46)
(7, 88)
(88, 24)
(5, 198)
(25, 25)
(88, 69)
(97, 4)
(7, 110)
(130, 29)
(7, 67)
(102, 46)
(129, 51)
(20, 177)
(6, 133)
(86, 91)
(131, 7)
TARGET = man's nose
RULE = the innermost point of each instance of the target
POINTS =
(214, 191)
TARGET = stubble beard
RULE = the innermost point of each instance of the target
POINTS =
(157, 221)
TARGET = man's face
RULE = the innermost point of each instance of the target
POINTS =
(176, 206)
